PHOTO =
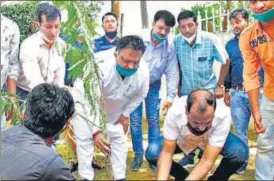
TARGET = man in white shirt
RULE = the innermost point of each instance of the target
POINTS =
(42, 54)
(193, 122)
(124, 84)
(10, 66)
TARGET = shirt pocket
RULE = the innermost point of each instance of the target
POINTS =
(202, 59)
(129, 91)
(204, 66)
(204, 63)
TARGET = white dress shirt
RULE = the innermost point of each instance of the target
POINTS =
(41, 64)
(121, 97)
(175, 128)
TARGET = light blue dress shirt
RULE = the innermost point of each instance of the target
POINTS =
(161, 59)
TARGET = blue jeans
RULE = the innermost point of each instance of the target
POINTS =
(22, 95)
(241, 113)
(265, 143)
(152, 103)
(234, 155)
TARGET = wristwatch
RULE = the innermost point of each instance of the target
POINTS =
(227, 89)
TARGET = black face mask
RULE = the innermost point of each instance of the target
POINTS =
(195, 131)
(111, 34)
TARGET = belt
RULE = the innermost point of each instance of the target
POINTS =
(238, 88)
(69, 84)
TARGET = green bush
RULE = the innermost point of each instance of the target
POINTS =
(23, 14)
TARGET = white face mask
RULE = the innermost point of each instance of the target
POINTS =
(190, 39)
(45, 38)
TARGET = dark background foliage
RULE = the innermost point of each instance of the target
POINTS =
(23, 14)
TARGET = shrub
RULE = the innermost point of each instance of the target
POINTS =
(23, 14)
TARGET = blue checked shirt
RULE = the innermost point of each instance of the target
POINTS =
(196, 62)
(161, 59)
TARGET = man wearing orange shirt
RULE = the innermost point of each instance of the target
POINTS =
(257, 46)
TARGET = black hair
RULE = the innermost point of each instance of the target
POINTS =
(109, 14)
(48, 108)
(204, 101)
(131, 41)
(51, 12)
(235, 12)
(168, 17)
(185, 14)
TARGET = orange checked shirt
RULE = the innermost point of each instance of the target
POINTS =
(257, 49)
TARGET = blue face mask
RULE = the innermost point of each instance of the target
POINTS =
(264, 17)
(111, 34)
(125, 72)
(158, 38)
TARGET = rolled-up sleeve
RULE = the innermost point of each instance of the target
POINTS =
(252, 65)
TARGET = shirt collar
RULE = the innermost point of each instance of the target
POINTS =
(198, 39)
(235, 38)
(42, 41)
(113, 41)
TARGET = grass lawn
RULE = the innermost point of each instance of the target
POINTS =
(145, 174)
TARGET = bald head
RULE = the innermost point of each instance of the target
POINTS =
(200, 100)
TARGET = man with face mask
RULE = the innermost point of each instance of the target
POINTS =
(109, 40)
(161, 58)
(235, 94)
(257, 47)
(42, 54)
(124, 83)
(196, 52)
(195, 121)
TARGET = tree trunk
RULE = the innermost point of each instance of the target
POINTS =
(144, 14)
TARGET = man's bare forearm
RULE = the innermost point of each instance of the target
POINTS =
(201, 170)
(253, 96)
(11, 85)
(164, 165)
(223, 72)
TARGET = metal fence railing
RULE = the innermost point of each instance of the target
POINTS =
(219, 22)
